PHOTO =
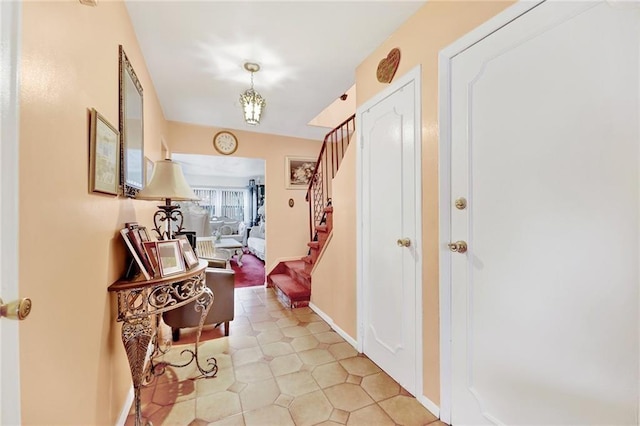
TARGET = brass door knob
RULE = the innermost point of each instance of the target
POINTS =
(16, 310)
(404, 242)
(458, 247)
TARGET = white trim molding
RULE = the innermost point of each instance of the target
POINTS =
(334, 326)
(429, 405)
(445, 57)
(126, 409)
(11, 41)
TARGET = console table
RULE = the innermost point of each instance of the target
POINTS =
(139, 301)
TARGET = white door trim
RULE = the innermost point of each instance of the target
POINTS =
(415, 76)
(10, 42)
(444, 166)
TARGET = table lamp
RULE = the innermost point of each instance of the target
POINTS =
(168, 184)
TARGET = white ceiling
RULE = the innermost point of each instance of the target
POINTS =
(308, 51)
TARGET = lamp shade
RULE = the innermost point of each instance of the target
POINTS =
(167, 181)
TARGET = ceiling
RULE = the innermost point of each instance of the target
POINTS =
(308, 51)
(212, 166)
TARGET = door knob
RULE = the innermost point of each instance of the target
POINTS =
(16, 310)
(404, 242)
(458, 247)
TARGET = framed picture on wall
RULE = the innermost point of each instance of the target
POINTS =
(104, 156)
(298, 172)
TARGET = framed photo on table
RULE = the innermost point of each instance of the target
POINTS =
(104, 156)
(151, 251)
(298, 172)
(170, 257)
(134, 253)
(190, 257)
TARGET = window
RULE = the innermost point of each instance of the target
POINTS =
(230, 203)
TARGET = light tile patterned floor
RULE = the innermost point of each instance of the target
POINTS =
(279, 367)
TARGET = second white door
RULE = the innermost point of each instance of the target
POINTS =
(389, 130)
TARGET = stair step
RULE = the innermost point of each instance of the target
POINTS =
(322, 228)
(295, 265)
(294, 290)
(328, 209)
(308, 259)
(314, 244)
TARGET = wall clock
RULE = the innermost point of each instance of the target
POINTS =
(225, 142)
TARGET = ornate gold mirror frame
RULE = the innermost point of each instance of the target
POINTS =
(131, 129)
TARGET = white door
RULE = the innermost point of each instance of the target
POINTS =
(545, 150)
(9, 369)
(389, 126)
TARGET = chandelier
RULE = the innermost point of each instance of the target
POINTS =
(252, 102)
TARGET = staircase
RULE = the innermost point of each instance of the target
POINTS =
(292, 279)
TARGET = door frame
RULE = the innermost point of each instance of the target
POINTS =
(445, 57)
(414, 75)
(10, 38)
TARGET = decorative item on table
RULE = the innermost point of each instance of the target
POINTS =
(190, 257)
(151, 250)
(139, 262)
(298, 172)
(168, 184)
(104, 156)
(170, 257)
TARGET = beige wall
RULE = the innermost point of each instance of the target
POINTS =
(436, 25)
(287, 227)
(334, 278)
(74, 368)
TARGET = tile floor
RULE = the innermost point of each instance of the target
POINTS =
(278, 367)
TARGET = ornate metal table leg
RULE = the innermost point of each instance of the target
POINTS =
(136, 335)
(203, 304)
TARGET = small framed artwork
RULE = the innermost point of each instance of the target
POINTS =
(298, 172)
(170, 257)
(190, 257)
(148, 170)
(151, 250)
(104, 156)
(125, 236)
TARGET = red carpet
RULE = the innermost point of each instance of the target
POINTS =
(251, 273)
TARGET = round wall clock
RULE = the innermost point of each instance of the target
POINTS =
(225, 142)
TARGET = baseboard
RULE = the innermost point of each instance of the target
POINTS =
(333, 325)
(429, 405)
(125, 410)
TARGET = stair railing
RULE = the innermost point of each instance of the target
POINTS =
(319, 192)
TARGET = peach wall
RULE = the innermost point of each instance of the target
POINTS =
(287, 228)
(334, 278)
(73, 365)
(436, 25)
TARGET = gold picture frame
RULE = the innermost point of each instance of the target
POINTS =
(104, 156)
(298, 172)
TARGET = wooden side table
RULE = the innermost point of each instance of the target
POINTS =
(139, 301)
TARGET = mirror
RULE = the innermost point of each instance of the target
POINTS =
(131, 129)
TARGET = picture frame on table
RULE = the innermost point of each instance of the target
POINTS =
(104, 156)
(151, 250)
(134, 253)
(298, 172)
(170, 257)
(190, 257)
